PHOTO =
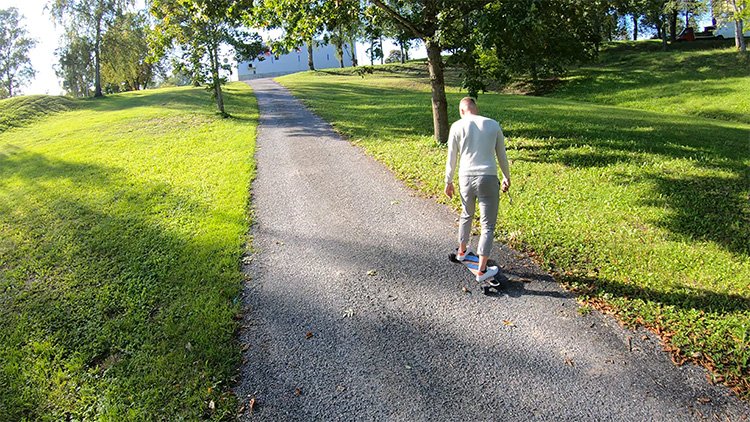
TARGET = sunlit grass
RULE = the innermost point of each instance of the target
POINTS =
(121, 227)
(711, 83)
(643, 213)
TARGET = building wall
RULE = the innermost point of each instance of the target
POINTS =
(324, 57)
(726, 30)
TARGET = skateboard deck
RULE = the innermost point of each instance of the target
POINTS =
(471, 262)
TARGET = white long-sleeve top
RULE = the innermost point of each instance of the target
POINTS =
(477, 140)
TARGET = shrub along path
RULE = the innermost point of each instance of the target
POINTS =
(355, 312)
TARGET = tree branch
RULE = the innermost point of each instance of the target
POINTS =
(400, 19)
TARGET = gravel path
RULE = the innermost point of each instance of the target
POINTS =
(355, 313)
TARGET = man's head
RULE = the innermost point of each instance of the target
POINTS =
(467, 105)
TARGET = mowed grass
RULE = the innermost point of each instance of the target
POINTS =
(645, 214)
(121, 228)
(686, 80)
(21, 111)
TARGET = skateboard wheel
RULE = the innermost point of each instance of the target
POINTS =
(452, 258)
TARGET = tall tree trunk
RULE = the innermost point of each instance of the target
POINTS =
(353, 45)
(635, 27)
(340, 52)
(739, 36)
(382, 51)
(214, 53)
(739, 32)
(663, 23)
(372, 51)
(310, 63)
(10, 84)
(97, 63)
(673, 26)
(403, 52)
(437, 83)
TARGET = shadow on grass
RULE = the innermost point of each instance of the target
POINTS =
(705, 209)
(96, 277)
(710, 208)
(625, 76)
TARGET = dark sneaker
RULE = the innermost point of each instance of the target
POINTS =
(487, 274)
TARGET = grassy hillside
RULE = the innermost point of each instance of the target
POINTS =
(643, 213)
(685, 80)
(121, 227)
(20, 111)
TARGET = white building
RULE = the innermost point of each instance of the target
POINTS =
(726, 30)
(324, 57)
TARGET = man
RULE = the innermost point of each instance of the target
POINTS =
(478, 140)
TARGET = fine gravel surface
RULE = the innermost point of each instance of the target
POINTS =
(355, 313)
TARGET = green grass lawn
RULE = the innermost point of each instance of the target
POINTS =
(645, 214)
(121, 227)
(711, 82)
(21, 111)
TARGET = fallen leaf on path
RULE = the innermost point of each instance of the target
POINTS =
(251, 404)
(465, 290)
(508, 323)
(297, 391)
(348, 313)
(704, 400)
(569, 361)
(309, 335)
(372, 273)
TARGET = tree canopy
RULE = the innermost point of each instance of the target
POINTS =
(15, 44)
(200, 28)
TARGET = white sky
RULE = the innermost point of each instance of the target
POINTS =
(40, 27)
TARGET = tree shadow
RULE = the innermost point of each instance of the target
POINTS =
(92, 273)
(305, 358)
(710, 207)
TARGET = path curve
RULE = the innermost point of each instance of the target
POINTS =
(326, 341)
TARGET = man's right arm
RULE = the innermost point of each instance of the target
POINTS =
(450, 164)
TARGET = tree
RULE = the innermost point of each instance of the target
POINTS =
(15, 65)
(200, 27)
(430, 21)
(301, 21)
(343, 23)
(125, 54)
(737, 12)
(89, 19)
(373, 23)
(76, 64)
(394, 56)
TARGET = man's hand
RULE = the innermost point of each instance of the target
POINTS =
(506, 185)
(449, 190)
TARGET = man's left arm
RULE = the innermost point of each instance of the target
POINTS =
(502, 159)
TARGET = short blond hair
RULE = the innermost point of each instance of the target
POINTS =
(468, 103)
